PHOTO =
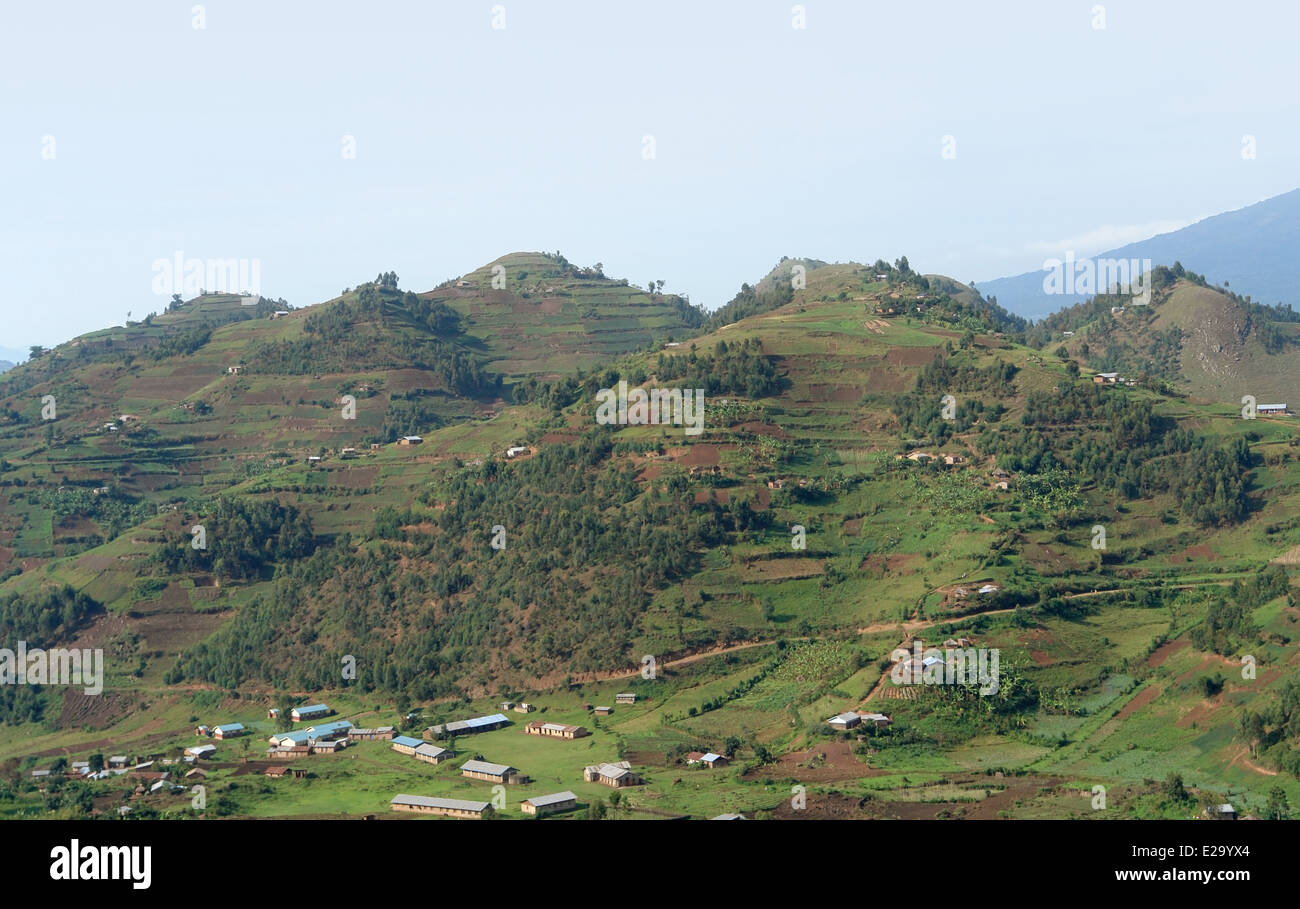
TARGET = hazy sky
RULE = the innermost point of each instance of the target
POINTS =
(129, 135)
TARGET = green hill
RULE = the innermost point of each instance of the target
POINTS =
(770, 564)
(1204, 341)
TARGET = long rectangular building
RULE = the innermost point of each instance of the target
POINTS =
(549, 804)
(493, 773)
(475, 724)
(555, 730)
(424, 804)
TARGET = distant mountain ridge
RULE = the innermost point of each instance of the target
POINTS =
(1251, 249)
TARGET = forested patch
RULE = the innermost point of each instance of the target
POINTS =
(243, 539)
(428, 606)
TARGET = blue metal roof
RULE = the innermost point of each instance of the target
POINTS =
(407, 741)
(229, 727)
(487, 720)
(311, 708)
(327, 728)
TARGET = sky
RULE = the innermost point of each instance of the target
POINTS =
(693, 142)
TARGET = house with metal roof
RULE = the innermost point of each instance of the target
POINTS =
(626, 697)
(475, 724)
(406, 744)
(431, 754)
(492, 773)
(423, 804)
(335, 730)
(323, 733)
(384, 733)
(549, 804)
(201, 750)
(229, 730)
(555, 730)
(614, 775)
(309, 712)
(844, 720)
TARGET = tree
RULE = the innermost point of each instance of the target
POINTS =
(1174, 790)
(35, 351)
(596, 811)
(1278, 808)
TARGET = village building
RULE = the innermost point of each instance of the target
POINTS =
(288, 752)
(229, 731)
(200, 751)
(603, 711)
(549, 804)
(410, 440)
(876, 719)
(328, 746)
(555, 730)
(1272, 409)
(475, 724)
(273, 713)
(405, 744)
(524, 707)
(459, 808)
(614, 775)
(844, 721)
(431, 754)
(118, 762)
(378, 733)
(309, 712)
(626, 697)
(515, 450)
(492, 773)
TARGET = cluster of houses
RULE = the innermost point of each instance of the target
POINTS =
(326, 738)
(420, 750)
(223, 731)
(615, 775)
(1112, 378)
(924, 457)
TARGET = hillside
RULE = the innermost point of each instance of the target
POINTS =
(770, 564)
(1250, 250)
(1204, 341)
